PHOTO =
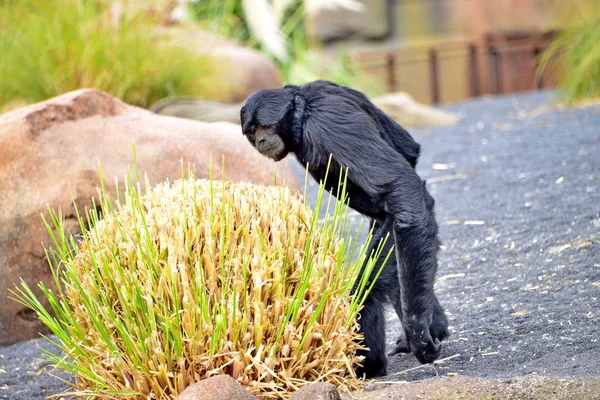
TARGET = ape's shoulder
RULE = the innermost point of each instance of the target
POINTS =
(348, 107)
(318, 84)
(319, 88)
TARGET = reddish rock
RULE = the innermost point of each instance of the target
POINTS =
(317, 391)
(52, 149)
(220, 387)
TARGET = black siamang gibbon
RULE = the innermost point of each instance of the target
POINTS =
(322, 119)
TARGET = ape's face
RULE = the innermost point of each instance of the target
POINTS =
(266, 140)
(264, 121)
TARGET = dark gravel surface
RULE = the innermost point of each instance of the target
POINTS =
(519, 216)
(517, 189)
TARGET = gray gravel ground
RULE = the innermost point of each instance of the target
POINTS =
(517, 189)
(519, 216)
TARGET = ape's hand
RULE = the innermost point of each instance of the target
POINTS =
(421, 344)
(419, 341)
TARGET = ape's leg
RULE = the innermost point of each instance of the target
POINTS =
(390, 278)
(372, 326)
(415, 234)
(372, 318)
(396, 297)
(396, 300)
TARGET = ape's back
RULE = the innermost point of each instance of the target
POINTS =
(396, 136)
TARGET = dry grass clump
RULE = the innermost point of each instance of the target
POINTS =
(200, 278)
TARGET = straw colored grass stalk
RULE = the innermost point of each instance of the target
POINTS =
(200, 278)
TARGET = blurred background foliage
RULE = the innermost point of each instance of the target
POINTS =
(51, 47)
(225, 18)
(577, 51)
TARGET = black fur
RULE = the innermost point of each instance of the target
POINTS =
(320, 119)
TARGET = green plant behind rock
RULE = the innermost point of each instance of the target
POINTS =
(51, 47)
(201, 277)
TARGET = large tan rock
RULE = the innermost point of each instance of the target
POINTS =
(198, 109)
(52, 149)
(408, 112)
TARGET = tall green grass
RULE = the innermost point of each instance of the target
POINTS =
(223, 17)
(51, 47)
(574, 56)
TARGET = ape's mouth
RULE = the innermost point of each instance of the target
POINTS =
(276, 153)
(280, 156)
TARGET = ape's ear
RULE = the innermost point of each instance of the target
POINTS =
(242, 111)
(246, 118)
(288, 101)
(285, 110)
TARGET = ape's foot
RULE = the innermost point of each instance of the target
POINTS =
(372, 368)
(401, 347)
(370, 371)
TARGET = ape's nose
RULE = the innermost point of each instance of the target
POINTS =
(261, 141)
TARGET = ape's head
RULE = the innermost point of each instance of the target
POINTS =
(267, 121)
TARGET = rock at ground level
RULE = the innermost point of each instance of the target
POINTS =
(50, 151)
(408, 112)
(465, 388)
(220, 387)
(198, 109)
(317, 391)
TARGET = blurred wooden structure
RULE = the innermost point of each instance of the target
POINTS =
(511, 59)
(514, 60)
(447, 50)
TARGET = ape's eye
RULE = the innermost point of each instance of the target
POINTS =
(269, 129)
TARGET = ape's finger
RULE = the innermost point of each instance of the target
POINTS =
(426, 352)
